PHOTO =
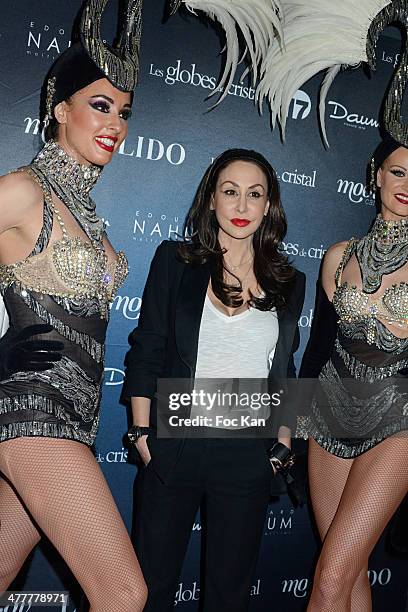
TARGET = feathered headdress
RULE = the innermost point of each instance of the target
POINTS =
(258, 21)
(318, 35)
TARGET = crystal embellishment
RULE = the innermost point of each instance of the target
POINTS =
(72, 183)
(354, 305)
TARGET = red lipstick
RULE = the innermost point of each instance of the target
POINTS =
(402, 197)
(107, 143)
(240, 222)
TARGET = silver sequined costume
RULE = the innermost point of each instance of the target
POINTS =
(362, 393)
(68, 284)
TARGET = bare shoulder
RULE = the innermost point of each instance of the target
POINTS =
(334, 253)
(19, 185)
(19, 195)
(331, 262)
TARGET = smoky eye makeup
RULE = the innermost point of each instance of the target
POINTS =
(125, 114)
(104, 106)
(100, 105)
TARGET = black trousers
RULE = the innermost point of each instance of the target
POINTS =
(230, 479)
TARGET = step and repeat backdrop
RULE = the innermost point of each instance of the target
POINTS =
(144, 195)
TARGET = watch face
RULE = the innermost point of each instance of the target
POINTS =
(134, 434)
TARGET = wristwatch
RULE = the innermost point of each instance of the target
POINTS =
(136, 432)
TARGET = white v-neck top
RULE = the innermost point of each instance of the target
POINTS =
(241, 346)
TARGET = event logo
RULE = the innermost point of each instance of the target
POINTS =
(113, 377)
(298, 178)
(351, 119)
(295, 586)
(381, 578)
(294, 248)
(298, 586)
(393, 59)
(301, 105)
(184, 595)
(32, 126)
(113, 456)
(186, 76)
(128, 306)
(356, 192)
(192, 592)
(306, 320)
(279, 523)
(256, 588)
(191, 75)
(149, 227)
(153, 149)
(46, 42)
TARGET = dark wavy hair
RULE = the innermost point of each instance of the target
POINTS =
(272, 269)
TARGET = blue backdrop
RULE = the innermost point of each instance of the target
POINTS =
(144, 195)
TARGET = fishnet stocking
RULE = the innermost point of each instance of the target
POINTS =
(65, 492)
(18, 535)
(353, 501)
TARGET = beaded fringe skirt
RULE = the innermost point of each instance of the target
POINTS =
(356, 405)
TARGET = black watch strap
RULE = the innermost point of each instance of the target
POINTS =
(136, 432)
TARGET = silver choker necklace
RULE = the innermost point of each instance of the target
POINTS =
(389, 231)
(382, 251)
(71, 182)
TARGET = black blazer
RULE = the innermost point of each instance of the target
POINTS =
(165, 343)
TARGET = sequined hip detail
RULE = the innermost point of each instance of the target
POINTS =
(367, 373)
(348, 416)
(71, 381)
(95, 349)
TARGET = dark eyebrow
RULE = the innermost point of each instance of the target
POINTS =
(236, 185)
(108, 99)
(257, 185)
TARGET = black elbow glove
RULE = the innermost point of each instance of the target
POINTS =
(322, 335)
(319, 347)
(21, 352)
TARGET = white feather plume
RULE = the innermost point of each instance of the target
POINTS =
(318, 35)
(259, 22)
(289, 42)
(328, 80)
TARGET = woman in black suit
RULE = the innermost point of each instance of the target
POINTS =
(224, 303)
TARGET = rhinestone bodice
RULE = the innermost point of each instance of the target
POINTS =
(358, 308)
(71, 268)
(352, 303)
